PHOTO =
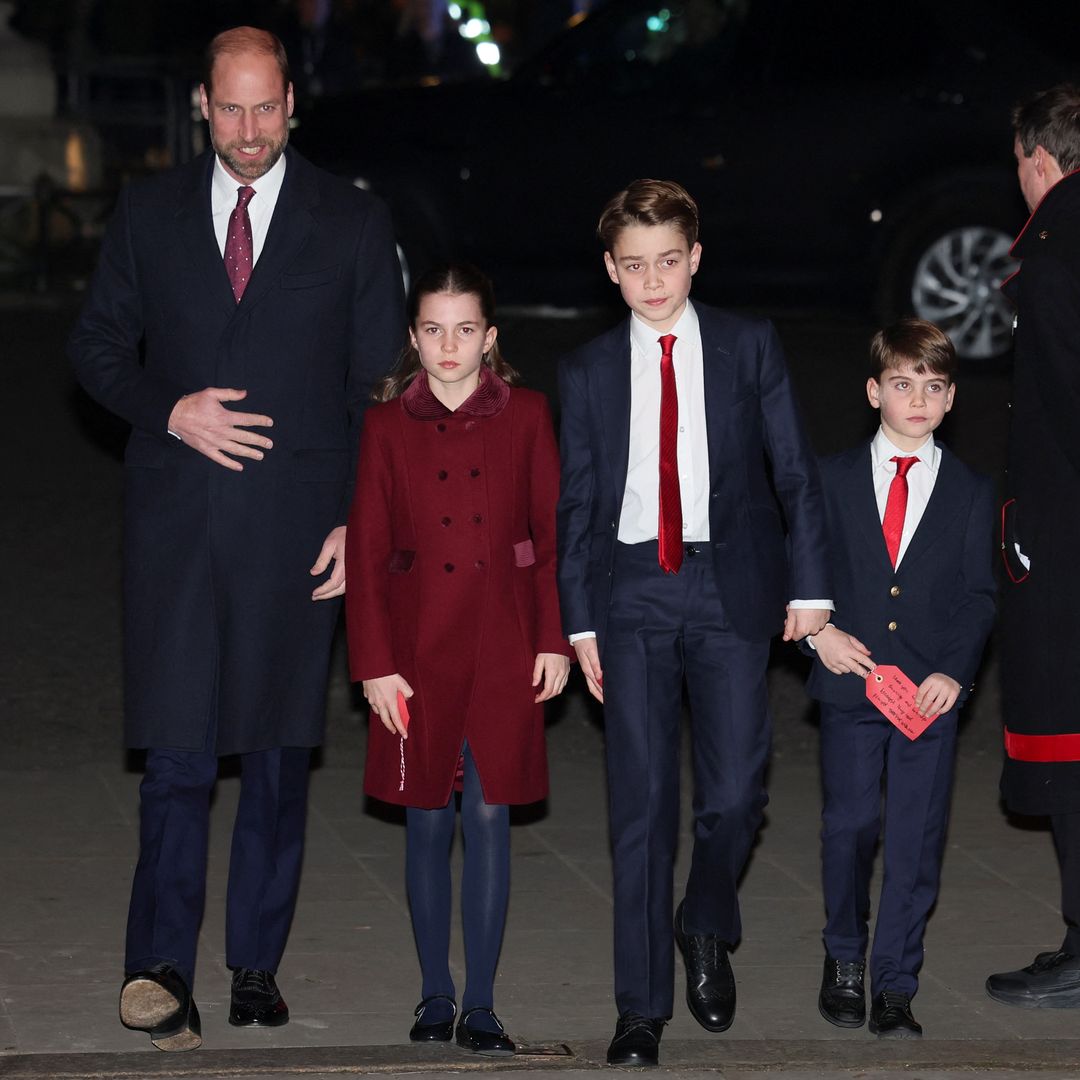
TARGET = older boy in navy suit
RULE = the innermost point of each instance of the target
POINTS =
(673, 566)
(910, 542)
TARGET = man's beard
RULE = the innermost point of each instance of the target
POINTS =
(243, 166)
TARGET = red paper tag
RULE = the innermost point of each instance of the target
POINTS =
(892, 693)
(403, 710)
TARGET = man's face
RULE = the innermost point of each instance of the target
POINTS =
(912, 405)
(653, 265)
(248, 110)
(1031, 174)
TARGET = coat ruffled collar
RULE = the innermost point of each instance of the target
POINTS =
(489, 398)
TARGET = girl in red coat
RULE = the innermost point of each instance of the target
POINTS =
(454, 627)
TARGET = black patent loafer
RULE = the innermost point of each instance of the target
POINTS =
(891, 1017)
(157, 1001)
(489, 1043)
(439, 1030)
(1051, 981)
(636, 1043)
(256, 1000)
(710, 982)
(842, 1000)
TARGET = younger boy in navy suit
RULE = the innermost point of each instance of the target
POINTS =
(910, 543)
(674, 568)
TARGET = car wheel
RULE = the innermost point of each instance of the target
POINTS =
(951, 274)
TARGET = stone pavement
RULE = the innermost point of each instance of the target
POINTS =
(68, 811)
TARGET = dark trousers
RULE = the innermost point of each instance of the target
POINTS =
(662, 630)
(859, 750)
(168, 891)
(1067, 845)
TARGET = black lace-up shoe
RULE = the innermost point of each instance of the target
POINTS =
(636, 1042)
(433, 1030)
(157, 1001)
(256, 1000)
(890, 1017)
(710, 982)
(842, 1000)
(1051, 981)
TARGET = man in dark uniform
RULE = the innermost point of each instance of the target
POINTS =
(1040, 629)
(265, 296)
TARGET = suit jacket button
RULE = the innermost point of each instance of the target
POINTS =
(892, 625)
(895, 590)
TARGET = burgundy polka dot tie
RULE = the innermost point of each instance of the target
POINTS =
(238, 246)
(670, 524)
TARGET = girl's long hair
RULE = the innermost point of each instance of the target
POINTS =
(457, 279)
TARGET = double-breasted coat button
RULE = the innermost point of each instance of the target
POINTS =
(443, 474)
(477, 519)
(895, 590)
(474, 473)
(448, 567)
(479, 564)
(440, 427)
(470, 424)
(445, 522)
(892, 625)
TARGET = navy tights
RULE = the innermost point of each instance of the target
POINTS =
(485, 890)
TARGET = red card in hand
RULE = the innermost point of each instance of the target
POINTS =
(892, 693)
(403, 710)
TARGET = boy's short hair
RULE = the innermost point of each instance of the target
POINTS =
(921, 344)
(1051, 119)
(649, 202)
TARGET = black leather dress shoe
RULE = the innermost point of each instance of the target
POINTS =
(842, 1000)
(1051, 981)
(438, 1030)
(636, 1042)
(710, 982)
(157, 1001)
(256, 1000)
(481, 1039)
(891, 1018)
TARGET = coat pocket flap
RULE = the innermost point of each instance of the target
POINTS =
(401, 561)
(524, 553)
(309, 280)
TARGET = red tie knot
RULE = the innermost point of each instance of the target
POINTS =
(243, 196)
(903, 464)
(667, 343)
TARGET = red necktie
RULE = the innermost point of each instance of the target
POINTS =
(892, 524)
(669, 528)
(238, 245)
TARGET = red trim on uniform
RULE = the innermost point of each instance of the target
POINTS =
(1042, 747)
(1004, 540)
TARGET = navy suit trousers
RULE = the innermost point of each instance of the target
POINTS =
(664, 630)
(168, 891)
(861, 750)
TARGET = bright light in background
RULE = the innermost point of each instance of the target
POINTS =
(474, 28)
(875, 216)
(657, 23)
(488, 52)
(454, 11)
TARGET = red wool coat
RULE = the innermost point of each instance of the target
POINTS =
(450, 563)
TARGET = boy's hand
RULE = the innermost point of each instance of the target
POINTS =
(382, 695)
(841, 653)
(937, 694)
(588, 656)
(803, 621)
(552, 670)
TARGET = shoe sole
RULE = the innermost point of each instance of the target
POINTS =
(179, 1041)
(1068, 999)
(275, 1021)
(633, 1063)
(837, 1022)
(146, 1004)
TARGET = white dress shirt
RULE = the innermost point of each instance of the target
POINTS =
(921, 478)
(223, 191)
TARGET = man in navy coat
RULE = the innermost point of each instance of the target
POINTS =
(243, 306)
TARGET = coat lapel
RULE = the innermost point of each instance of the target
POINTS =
(613, 385)
(716, 361)
(196, 228)
(861, 507)
(943, 506)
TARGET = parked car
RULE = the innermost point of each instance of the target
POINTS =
(841, 152)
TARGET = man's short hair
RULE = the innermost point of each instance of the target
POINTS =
(245, 39)
(1051, 119)
(921, 344)
(649, 202)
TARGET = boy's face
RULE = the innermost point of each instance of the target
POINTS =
(912, 405)
(653, 265)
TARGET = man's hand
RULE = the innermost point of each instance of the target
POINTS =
(551, 671)
(841, 653)
(333, 548)
(381, 694)
(803, 621)
(204, 424)
(937, 694)
(588, 656)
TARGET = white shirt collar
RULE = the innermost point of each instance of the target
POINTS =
(224, 187)
(643, 336)
(882, 450)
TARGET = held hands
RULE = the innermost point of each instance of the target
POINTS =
(551, 670)
(333, 549)
(204, 424)
(381, 694)
(588, 656)
(842, 653)
(936, 694)
(801, 622)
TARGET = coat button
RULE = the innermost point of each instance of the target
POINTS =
(892, 625)
(443, 474)
(445, 522)
(474, 473)
(440, 427)
(470, 424)
(448, 567)
(477, 519)
(895, 590)
(479, 564)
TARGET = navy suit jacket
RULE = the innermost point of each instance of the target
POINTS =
(940, 599)
(765, 551)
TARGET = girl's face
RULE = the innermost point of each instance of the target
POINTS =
(451, 336)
